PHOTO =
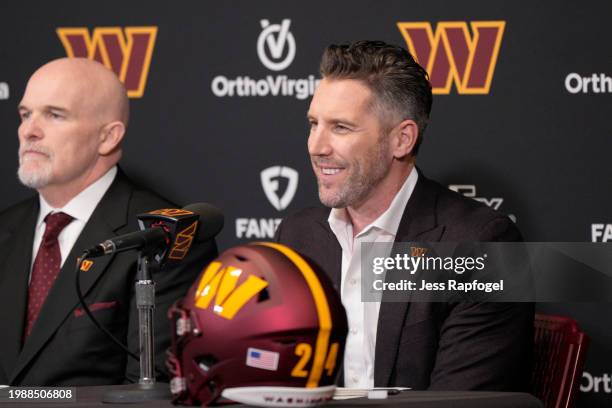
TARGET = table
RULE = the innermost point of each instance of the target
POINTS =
(91, 397)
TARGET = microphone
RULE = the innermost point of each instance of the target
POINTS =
(168, 231)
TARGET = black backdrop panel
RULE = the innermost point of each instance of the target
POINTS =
(228, 85)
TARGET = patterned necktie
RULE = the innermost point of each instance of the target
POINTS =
(46, 266)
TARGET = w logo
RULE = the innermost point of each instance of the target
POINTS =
(126, 52)
(220, 284)
(416, 251)
(452, 54)
(183, 242)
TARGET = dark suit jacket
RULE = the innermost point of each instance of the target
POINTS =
(441, 346)
(65, 348)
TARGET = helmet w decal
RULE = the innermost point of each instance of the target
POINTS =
(261, 326)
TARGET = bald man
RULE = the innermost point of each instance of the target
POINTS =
(74, 115)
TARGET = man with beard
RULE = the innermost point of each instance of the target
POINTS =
(74, 114)
(367, 120)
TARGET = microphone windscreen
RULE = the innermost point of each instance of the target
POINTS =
(211, 220)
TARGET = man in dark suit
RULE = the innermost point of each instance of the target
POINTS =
(367, 121)
(73, 118)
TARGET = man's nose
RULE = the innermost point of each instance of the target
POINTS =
(319, 143)
(30, 128)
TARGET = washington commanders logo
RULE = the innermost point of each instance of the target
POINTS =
(127, 52)
(450, 54)
(220, 283)
(171, 212)
(183, 242)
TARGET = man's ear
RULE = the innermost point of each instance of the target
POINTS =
(111, 136)
(404, 139)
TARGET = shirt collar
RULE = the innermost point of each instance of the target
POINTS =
(389, 220)
(83, 204)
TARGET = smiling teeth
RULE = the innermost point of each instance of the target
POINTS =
(330, 171)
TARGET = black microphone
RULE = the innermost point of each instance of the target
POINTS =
(169, 231)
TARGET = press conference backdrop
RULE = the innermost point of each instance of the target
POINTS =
(219, 92)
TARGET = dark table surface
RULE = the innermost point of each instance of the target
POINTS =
(92, 397)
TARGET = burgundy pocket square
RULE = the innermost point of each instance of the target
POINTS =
(78, 312)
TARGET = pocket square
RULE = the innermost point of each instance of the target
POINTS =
(78, 312)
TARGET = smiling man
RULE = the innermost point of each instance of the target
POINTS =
(74, 114)
(367, 120)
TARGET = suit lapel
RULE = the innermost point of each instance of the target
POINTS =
(109, 215)
(418, 224)
(332, 262)
(14, 285)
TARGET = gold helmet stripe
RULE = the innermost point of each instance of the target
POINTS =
(323, 312)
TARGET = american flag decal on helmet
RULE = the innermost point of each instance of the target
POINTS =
(267, 360)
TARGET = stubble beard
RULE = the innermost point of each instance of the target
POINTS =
(360, 181)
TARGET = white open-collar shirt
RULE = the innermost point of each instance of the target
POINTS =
(363, 316)
(80, 208)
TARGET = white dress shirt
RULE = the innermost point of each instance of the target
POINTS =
(80, 208)
(363, 316)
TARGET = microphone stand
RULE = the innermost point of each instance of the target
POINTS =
(146, 389)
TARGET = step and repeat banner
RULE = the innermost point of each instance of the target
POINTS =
(219, 92)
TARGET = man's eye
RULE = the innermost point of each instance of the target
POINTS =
(341, 129)
(55, 115)
(24, 115)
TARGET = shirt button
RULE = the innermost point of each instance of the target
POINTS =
(355, 380)
(353, 281)
(353, 331)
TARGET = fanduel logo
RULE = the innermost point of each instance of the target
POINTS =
(127, 52)
(271, 180)
(469, 190)
(270, 183)
(601, 232)
(594, 83)
(591, 383)
(276, 50)
(4, 91)
(452, 55)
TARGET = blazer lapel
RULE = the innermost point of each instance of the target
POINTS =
(418, 224)
(14, 286)
(109, 215)
(332, 262)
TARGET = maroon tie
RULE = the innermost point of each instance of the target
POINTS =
(46, 266)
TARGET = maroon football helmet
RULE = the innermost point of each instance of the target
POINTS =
(261, 326)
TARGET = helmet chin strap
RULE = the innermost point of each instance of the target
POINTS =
(280, 396)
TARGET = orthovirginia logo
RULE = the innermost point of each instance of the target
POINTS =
(276, 48)
(4, 91)
(127, 52)
(452, 55)
(271, 180)
(596, 384)
(469, 190)
(594, 83)
(276, 44)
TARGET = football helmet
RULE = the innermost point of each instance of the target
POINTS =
(262, 326)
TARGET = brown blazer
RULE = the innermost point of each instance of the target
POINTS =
(440, 346)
